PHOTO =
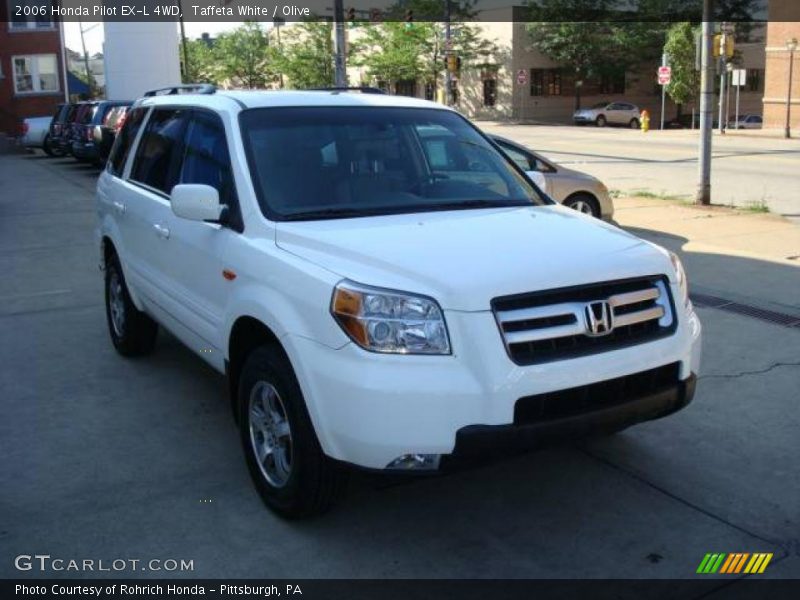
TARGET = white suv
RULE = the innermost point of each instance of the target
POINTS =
(380, 284)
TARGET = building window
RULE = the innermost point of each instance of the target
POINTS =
(35, 14)
(489, 92)
(755, 80)
(545, 82)
(612, 83)
(406, 87)
(36, 73)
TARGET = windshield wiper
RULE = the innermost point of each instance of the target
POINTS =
(333, 213)
(479, 204)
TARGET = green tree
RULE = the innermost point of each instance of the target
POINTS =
(203, 64)
(242, 56)
(306, 56)
(680, 48)
(583, 37)
(396, 51)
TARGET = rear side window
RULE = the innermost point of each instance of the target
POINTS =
(159, 153)
(87, 114)
(122, 145)
(206, 159)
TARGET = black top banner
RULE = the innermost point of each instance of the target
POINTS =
(403, 589)
(281, 11)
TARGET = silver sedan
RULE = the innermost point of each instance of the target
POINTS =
(571, 188)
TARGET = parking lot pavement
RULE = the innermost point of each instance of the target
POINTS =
(748, 168)
(108, 458)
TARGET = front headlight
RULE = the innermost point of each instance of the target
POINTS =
(388, 321)
(680, 275)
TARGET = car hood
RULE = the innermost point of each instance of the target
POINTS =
(463, 259)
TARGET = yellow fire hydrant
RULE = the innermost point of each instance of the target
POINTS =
(645, 124)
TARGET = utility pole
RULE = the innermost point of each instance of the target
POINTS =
(89, 77)
(448, 76)
(338, 24)
(663, 91)
(791, 46)
(185, 51)
(706, 103)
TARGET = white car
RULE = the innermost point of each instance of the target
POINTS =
(34, 132)
(579, 191)
(609, 113)
(746, 122)
(376, 295)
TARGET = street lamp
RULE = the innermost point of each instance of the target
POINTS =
(791, 46)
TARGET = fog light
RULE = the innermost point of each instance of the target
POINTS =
(416, 462)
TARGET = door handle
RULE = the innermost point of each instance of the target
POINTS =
(161, 231)
(119, 206)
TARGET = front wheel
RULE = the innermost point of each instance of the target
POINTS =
(289, 470)
(583, 203)
(600, 121)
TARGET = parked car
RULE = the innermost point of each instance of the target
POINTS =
(609, 113)
(62, 138)
(34, 132)
(684, 121)
(84, 146)
(106, 132)
(50, 145)
(577, 190)
(746, 122)
(379, 295)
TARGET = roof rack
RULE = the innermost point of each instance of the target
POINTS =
(363, 89)
(187, 88)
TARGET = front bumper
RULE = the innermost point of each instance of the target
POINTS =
(580, 119)
(482, 441)
(369, 409)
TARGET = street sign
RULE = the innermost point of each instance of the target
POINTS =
(739, 77)
(522, 77)
(664, 75)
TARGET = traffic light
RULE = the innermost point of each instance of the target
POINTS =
(729, 46)
(453, 63)
(351, 14)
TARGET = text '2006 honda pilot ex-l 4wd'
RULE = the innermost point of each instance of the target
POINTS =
(381, 285)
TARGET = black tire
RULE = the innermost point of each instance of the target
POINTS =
(600, 121)
(314, 481)
(634, 124)
(47, 147)
(585, 199)
(135, 334)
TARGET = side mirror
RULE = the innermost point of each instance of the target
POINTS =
(196, 202)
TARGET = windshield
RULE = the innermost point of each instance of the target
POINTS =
(336, 162)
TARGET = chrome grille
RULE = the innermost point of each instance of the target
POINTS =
(557, 324)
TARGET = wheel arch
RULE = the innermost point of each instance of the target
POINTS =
(586, 195)
(246, 334)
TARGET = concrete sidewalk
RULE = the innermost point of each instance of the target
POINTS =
(730, 253)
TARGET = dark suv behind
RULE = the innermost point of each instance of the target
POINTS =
(93, 114)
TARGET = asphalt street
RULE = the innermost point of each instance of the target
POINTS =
(748, 167)
(106, 458)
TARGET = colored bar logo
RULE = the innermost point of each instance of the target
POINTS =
(733, 563)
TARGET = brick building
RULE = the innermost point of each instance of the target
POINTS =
(784, 25)
(32, 73)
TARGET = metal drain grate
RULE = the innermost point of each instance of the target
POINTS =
(770, 316)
